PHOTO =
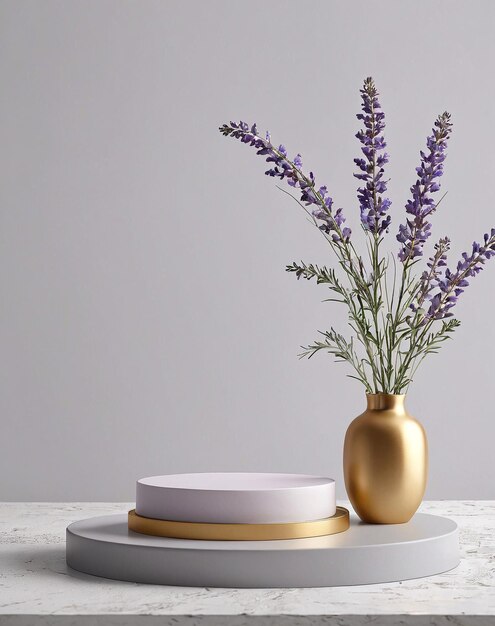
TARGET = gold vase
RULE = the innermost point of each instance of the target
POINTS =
(385, 461)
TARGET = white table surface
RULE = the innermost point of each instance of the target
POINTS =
(36, 586)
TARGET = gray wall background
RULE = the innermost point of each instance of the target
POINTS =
(147, 324)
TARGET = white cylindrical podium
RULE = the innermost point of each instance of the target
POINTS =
(236, 498)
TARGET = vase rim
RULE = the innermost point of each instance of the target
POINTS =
(386, 401)
(386, 395)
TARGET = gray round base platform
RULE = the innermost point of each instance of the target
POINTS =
(428, 544)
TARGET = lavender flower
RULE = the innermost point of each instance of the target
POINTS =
(431, 278)
(389, 341)
(373, 207)
(454, 283)
(283, 168)
(417, 228)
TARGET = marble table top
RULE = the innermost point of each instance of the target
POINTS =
(37, 587)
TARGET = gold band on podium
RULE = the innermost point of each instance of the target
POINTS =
(239, 532)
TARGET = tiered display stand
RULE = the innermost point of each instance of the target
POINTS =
(104, 546)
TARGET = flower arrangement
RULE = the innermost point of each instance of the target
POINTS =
(398, 315)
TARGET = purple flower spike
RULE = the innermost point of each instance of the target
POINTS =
(454, 283)
(431, 278)
(282, 167)
(373, 206)
(413, 234)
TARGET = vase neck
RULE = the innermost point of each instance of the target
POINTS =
(386, 402)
